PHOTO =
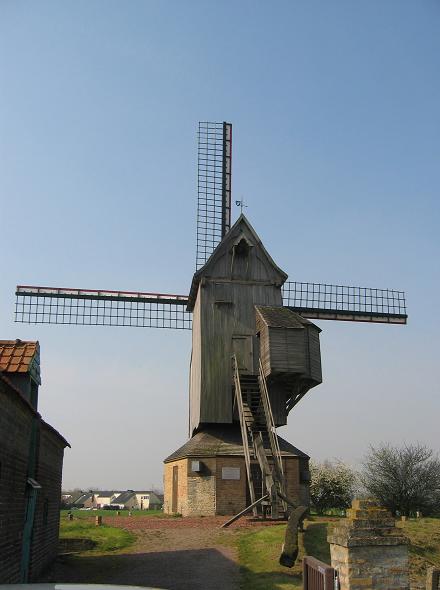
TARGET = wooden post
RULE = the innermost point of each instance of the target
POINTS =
(290, 545)
(305, 574)
(98, 520)
(118, 513)
(432, 578)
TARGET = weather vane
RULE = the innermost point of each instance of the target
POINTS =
(241, 204)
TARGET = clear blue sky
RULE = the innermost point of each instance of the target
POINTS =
(336, 120)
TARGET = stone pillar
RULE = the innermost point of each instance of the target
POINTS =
(368, 551)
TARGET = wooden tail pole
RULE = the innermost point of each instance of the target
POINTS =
(289, 551)
(240, 514)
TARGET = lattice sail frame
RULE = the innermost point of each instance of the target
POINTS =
(47, 305)
(214, 170)
(339, 302)
(86, 307)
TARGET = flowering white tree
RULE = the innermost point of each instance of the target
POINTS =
(332, 485)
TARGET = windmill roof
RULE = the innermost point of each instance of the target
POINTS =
(223, 441)
(282, 317)
(231, 237)
(18, 356)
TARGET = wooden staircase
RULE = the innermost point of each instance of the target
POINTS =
(259, 433)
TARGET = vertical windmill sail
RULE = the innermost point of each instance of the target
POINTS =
(213, 187)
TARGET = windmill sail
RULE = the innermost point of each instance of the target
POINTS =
(343, 303)
(213, 187)
(86, 307)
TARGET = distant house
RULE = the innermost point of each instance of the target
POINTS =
(148, 500)
(129, 500)
(106, 498)
(69, 498)
(66, 500)
(31, 461)
(126, 500)
(137, 500)
(87, 500)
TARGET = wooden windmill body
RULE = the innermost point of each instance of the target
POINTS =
(236, 302)
(255, 353)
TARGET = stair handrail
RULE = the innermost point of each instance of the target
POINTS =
(244, 434)
(273, 438)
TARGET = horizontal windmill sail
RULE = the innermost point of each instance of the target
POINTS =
(343, 303)
(48, 305)
(87, 307)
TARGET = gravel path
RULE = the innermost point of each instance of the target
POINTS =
(169, 553)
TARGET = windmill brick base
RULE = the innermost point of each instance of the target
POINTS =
(207, 475)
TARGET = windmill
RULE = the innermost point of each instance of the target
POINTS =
(255, 352)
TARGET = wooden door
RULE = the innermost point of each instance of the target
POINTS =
(175, 489)
(243, 350)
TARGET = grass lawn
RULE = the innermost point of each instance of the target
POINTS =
(258, 548)
(101, 538)
(93, 513)
(259, 552)
(424, 549)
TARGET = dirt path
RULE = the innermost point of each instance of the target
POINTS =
(174, 554)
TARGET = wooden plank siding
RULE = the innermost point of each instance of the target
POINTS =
(239, 275)
(290, 354)
(195, 370)
(315, 355)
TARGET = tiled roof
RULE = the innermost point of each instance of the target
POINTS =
(18, 356)
(223, 440)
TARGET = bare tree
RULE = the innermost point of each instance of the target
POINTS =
(404, 479)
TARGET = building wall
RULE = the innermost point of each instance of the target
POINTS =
(230, 286)
(231, 493)
(201, 488)
(47, 515)
(16, 419)
(220, 322)
(207, 493)
(298, 490)
(182, 491)
(90, 502)
(103, 501)
(15, 428)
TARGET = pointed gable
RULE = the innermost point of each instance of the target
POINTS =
(239, 256)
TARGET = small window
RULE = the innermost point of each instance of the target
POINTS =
(242, 248)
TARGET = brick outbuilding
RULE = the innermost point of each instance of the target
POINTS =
(31, 459)
(207, 475)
